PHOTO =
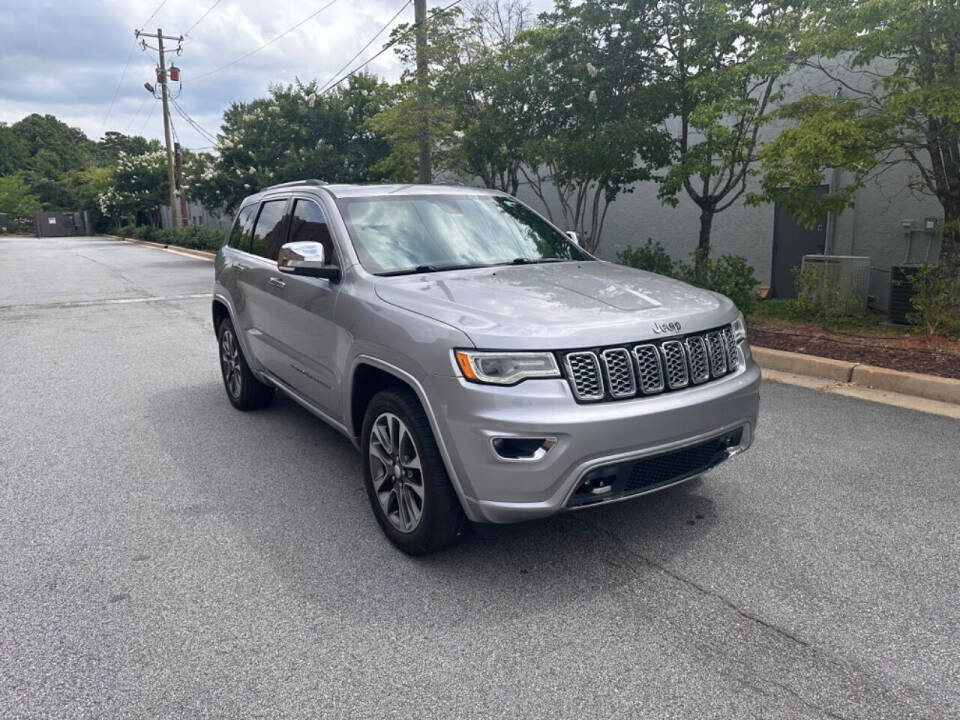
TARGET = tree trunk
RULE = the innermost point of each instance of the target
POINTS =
(950, 240)
(702, 253)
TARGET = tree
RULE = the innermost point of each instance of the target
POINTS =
(720, 62)
(114, 144)
(140, 184)
(596, 110)
(13, 151)
(297, 132)
(15, 197)
(899, 102)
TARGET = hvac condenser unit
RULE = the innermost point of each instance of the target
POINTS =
(848, 274)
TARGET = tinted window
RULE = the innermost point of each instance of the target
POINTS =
(240, 235)
(268, 235)
(434, 232)
(309, 223)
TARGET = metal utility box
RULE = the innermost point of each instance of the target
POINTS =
(57, 223)
(850, 274)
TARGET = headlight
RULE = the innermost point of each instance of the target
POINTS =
(739, 329)
(506, 368)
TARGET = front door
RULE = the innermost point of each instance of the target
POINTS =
(791, 241)
(304, 325)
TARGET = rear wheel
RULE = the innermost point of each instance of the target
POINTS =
(406, 481)
(243, 388)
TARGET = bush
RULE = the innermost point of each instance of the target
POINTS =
(936, 300)
(650, 256)
(194, 236)
(818, 297)
(729, 275)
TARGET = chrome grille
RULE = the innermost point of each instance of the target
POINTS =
(718, 353)
(616, 373)
(648, 367)
(584, 372)
(619, 372)
(733, 357)
(674, 364)
(697, 356)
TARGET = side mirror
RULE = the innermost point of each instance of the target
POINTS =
(573, 237)
(306, 258)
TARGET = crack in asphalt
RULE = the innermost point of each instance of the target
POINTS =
(104, 301)
(776, 630)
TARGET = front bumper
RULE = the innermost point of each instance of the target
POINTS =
(588, 436)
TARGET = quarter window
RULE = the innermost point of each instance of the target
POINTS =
(309, 223)
(270, 231)
(242, 228)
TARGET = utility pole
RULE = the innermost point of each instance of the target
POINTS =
(162, 80)
(423, 90)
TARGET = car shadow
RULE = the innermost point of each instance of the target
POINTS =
(291, 488)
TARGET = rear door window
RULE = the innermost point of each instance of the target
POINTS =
(242, 229)
(270, 231)
(307, 222)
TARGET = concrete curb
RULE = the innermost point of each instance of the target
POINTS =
(930, 387)
(202, 254)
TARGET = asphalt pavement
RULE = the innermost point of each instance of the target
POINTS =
(164, 555)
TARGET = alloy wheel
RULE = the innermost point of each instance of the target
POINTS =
(397, 472)
(230, 361)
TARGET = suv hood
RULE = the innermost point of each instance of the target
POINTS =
(556, 305)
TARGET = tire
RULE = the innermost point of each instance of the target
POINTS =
(244, 390)
(440, 520)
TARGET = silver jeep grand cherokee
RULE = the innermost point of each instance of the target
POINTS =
(487, 367)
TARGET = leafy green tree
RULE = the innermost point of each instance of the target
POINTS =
(720, 63)
(59, 146)
(114, 144)
(596, 109)
(13, 151)
(899, 102)
(87, 186)
(295, 133)
(16, 198)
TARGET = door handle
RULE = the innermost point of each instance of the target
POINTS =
(239, 267)
(277, 282)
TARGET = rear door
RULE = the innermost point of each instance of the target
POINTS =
(235, 263)
(305, 321)
(259, 285)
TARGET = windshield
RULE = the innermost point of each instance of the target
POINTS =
(429, 233)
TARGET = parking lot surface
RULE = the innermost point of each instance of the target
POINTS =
(164, 555)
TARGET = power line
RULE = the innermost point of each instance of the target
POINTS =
(372, 40)
(135, 115)
(116, 92)
(153, 14)
(206, 135)
(201, 18)
(149, 115)
(266, 44)
(383, 50)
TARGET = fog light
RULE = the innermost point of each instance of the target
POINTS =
(517, 448)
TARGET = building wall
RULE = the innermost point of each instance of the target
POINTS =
(197, 214)
(873, 227)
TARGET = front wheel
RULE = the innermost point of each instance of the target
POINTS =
(406, 481)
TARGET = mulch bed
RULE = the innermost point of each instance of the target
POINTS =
(914, 353)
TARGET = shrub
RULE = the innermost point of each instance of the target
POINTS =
(936, 300)
(650, 256)
(729, 275)
(819, 297)
(194, 236)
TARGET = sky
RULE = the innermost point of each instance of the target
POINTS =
(67, 57)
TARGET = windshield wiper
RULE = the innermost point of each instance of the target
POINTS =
(431, 269)
(532, 261)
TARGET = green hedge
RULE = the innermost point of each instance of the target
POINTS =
(195, 236)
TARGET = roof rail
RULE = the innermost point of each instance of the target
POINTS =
(310, 181)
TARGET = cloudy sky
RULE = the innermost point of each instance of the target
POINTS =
(67, 57)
